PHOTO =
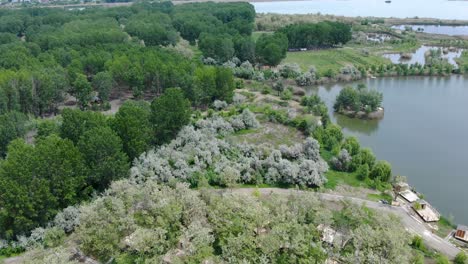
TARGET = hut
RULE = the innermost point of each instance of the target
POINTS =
(462, 233)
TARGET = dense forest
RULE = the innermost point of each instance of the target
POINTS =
(51, 56)
(318, 35)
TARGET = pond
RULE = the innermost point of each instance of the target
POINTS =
(437, 29)
(423, 135)
(378, 8)
(419, 56)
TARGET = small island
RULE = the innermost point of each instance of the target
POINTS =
(359, 102)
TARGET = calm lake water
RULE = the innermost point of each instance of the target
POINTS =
(442, 9)
(437, 29)
(424, 135)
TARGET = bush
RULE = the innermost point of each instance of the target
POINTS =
(219, 105)
(289, 71)
(461, 258)
(342, 161)
(287, 95)
(382, 171)
(53, 237)
(363, 172)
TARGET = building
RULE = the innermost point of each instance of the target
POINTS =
(462, 233)
(409, 196)
(426, 211)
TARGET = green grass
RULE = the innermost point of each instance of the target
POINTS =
(381, 196)
(445, 227)
(338, 177)
(268, 133)
(333, 59)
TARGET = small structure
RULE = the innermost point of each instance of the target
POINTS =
(426, 211)
(409, 196)
(401, 187)
(461, 233)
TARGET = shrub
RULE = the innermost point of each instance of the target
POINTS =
(381, 171)
(461, 258)
(287, 95)
(68, 219)
(289, 70)
(53, 237)
(363, 172)
(219, 105)
(342, 161)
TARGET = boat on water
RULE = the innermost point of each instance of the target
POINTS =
(388, 1)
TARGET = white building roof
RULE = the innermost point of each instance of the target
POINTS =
(409, 196)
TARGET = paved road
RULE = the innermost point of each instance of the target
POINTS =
(412, 223)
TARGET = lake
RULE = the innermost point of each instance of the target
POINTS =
(424, 135)
(378, 8)
(436, 29)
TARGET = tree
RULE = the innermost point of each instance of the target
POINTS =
(37, 181)
(351, 144)
(83, 90)
(132, 124)
(381, 171)
(103, 83)
(271, 48)
(12, 126)
(76, 122)
(102, 151)
(279, 87)
(218, 47)
(169, 113)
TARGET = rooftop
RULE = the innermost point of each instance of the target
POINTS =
(462, 227)
(427, 212)
(409, 196)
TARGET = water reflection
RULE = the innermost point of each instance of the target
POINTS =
(354, 125)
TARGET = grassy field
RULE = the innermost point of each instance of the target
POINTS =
(339, 178)
(269, 133)
(333, 59)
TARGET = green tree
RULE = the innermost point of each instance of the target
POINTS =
(132, 124)
(381, 171)
(351, 144)
(103, 83)
(169, 113)
(103, 153)
(76, 122)
(218, 47)
(37, 181)
(83, 90)
(271, 48)
(12, 126)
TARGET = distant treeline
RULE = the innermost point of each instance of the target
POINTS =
(317, 35)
